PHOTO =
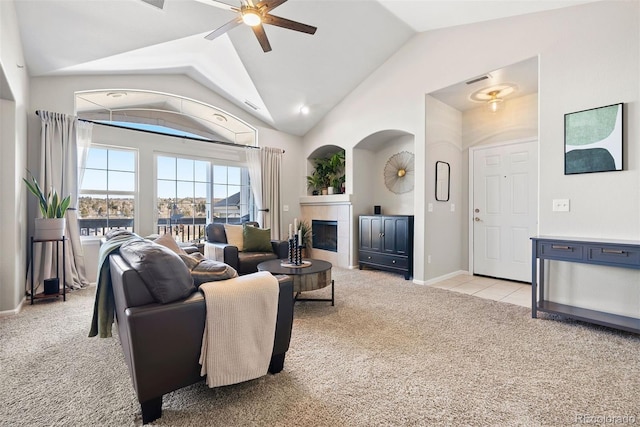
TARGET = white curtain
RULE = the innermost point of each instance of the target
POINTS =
(60, 136)
(264, 171)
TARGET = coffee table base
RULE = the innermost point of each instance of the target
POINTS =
(332, 299)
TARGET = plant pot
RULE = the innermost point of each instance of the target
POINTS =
(330, 190)
(324, 191)
(49, 228)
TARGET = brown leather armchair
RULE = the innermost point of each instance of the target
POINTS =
(217, 247)
(162, 342)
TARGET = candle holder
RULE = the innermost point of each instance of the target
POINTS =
(291, 251)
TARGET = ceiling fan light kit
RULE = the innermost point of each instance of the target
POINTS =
(255, 16)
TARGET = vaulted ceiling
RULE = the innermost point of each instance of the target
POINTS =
(354, 37)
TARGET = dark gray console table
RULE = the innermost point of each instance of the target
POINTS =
(611, 253)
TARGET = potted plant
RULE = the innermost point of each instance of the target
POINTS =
(305, 228)
(314, 183)
(328, 174)
(53, 209)
(335, 169)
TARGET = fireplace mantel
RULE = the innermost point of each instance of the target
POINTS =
(330, 199)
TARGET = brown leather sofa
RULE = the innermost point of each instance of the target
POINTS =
(217, 247)
(162, 342)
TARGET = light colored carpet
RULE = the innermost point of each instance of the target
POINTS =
(390, 353)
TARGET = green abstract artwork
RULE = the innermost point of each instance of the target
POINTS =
(593, 140)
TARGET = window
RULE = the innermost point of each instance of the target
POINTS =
(107, 195)
(192, 192)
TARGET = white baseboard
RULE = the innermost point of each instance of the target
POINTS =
(444, 277)
(7, 313)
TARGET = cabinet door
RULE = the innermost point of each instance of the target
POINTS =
(389, 235)
(395, 235)
(370, 232)
(402, 236)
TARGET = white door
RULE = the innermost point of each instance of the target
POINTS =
(504, 208)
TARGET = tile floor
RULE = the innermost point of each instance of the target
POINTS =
(489, 288)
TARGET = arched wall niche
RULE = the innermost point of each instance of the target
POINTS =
(369, 158)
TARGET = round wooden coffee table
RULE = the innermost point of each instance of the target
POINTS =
(309, 277)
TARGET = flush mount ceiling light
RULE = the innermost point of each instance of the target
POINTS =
(493, 96)
(495, 103)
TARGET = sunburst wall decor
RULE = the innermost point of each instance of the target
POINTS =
(398, 172)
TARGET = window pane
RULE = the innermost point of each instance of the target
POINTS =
(166, 167)
(122, 181)
(96, 158)
(219, 192)
(94, 180)
(201, 171)
(122, 160)
(201, 191)
(166, 189)
(234, 175)
(185, 169)
(220, 174)
(185, 189)
(234, 194)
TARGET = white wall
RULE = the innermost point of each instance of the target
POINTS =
(443, 246)
(589, 57)
(13, 142)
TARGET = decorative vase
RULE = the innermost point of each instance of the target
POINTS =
(49, 228)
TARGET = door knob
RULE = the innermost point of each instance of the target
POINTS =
(476, 210)
(476, 219)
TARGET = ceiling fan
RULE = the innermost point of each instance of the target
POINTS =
(255, 15)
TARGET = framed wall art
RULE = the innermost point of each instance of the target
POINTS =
(593, 140)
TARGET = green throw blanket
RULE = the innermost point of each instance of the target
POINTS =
(104, 306)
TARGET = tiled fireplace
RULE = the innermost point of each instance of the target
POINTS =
(333, 215)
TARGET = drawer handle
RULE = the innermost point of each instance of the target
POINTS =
(368, 257)
(562, 247)
(613, 251)
(394, 261)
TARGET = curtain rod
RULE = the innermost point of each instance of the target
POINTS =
(213, 141)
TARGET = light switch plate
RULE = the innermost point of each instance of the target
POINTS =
(561, 205)
(430, 207)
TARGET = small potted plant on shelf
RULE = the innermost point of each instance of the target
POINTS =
(53, 208)
(328, 174)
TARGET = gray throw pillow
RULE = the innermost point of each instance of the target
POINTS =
(207, 270)
(167, 278)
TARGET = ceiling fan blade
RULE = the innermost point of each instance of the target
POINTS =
(258, 30)
(269, 5)
(226, 27)
(218, 4)
(288, 24)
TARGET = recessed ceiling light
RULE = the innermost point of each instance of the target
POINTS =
(220, 117)
(304, 110)
(116, 94)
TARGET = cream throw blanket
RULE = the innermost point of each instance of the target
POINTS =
(239, 329)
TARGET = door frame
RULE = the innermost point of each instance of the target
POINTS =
(470, 212)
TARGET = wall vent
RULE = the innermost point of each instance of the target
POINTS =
(252, 105)
(477, 79)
